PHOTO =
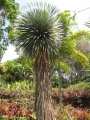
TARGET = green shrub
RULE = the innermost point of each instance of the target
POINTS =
(25, 84)
(80, 85)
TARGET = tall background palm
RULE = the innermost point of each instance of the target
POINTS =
(39, 37)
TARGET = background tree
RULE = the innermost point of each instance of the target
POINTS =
(39, 38)
(9, 10)
(68, 45)
(17, 70)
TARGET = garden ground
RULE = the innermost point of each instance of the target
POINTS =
(20, 104)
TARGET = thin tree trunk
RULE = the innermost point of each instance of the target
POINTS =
(60, 86)
(43, 100)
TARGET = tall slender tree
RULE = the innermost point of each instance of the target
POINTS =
(39, 37)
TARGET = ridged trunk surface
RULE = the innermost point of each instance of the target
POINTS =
(43, 100)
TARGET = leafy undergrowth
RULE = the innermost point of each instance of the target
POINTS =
(71, 113)
(77, 97)
(76, 104)
(12, 111)
(81, 85)
(18, 104)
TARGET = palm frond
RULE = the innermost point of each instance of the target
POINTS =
(39, 29)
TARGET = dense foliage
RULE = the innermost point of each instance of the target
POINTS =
(9, 10)
(17, 70)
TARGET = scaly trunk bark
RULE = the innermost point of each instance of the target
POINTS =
(43, 100)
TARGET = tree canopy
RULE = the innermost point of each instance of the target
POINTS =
(9, 10)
